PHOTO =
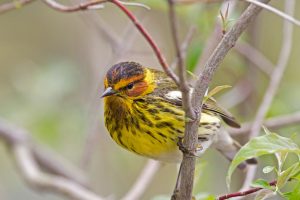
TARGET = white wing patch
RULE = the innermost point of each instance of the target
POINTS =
(174, 95)
(177, 95)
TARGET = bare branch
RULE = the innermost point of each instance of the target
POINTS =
(244, 193)
(13, 5)
(272, 123)
(190, 138)
(93, 4)
(238, 94)
(183, 85)
(285, 16)
(184, 46)
(214, 38)
(255, 56)
(143, 181)
(45, 182)
(277, 73)
(32, 160)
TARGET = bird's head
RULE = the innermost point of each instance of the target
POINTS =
(128, 80)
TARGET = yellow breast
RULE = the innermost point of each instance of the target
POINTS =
(150, 127)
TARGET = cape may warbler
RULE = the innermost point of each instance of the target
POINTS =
(143, 114)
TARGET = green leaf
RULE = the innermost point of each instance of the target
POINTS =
(215, 91)
(287, 174)
(194, 76)
(193, 54)
(294, 194)
(268, 169)
(267, 144)
(261, 183)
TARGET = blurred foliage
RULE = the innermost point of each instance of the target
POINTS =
(51, 66)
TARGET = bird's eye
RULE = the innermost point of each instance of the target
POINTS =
(129, 86)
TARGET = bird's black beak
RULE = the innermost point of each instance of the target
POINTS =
(108, 92)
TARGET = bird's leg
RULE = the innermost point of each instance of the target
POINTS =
(188, 152)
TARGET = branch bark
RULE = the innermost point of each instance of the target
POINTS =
(190, 138)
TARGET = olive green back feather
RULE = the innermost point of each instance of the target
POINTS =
(166, 84)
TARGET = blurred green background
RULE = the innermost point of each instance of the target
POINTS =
(51, 71)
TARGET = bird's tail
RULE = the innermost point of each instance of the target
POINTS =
(229, 147)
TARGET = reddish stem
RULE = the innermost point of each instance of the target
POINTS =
(149, 39)
(244, 193)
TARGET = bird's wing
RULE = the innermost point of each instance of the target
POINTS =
(175, 97)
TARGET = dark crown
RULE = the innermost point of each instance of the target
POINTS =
(124, 70)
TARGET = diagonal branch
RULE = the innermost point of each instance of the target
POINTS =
(272, 123)
(147, 36)
(244, 193)
(190, 138)
(142, 182)
(46, 182)
(276, 77)
(255, 56)
(285, 16)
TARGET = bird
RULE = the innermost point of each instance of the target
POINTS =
(143, 113)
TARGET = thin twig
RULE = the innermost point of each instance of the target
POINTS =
(21, 146)
(149, 39)
(184, 46)
(238, 94)
(187, 2)
(284, 15)
(272, 123)
(45, 182)
(214, 39)
(13, 5)
(190, 139)
(142, 182)
(119, 51)
(94, 4)
(277, 73)
(244, 193)
(276, 77)
(255, 56)
(183, 85)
